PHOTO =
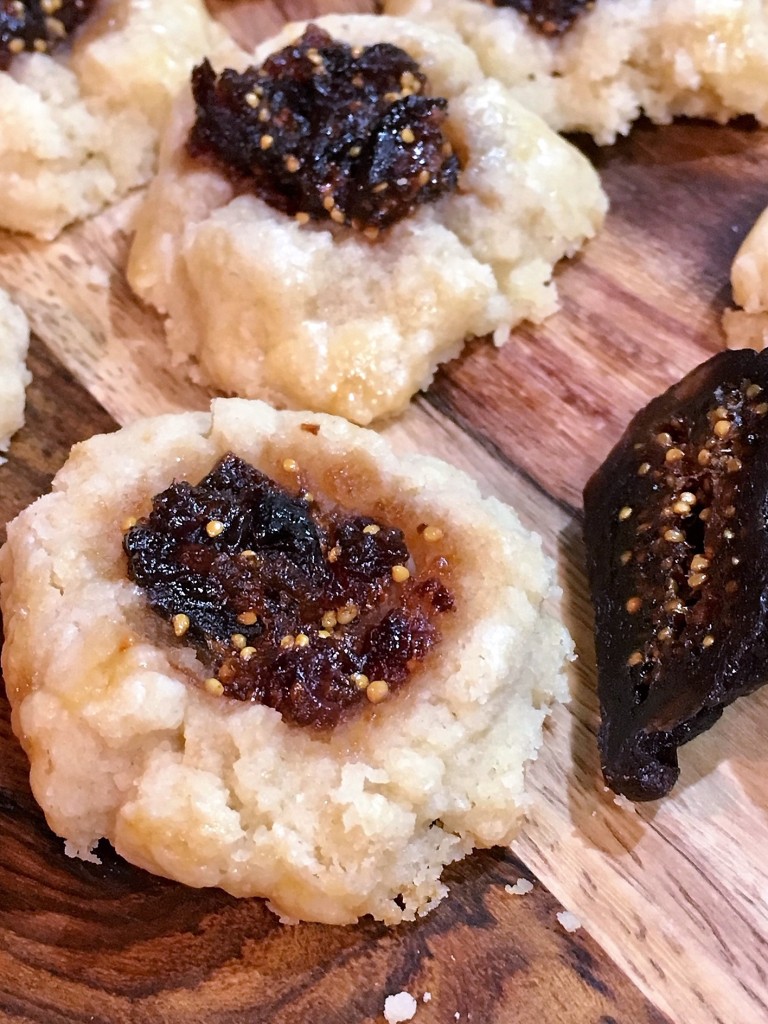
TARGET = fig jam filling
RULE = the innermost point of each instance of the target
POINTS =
(290, 602)
(550, 17)
(38, 26)
(326, 131)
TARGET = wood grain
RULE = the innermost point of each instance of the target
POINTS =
(111, 944)
(59, 413)
(676, 893)
(640, 308)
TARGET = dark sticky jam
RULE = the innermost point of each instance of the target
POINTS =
(298, 606)
(550, 17)
(38, 26)
(322, 130)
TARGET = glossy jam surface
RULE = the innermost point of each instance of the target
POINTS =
(292, 603)
(326, 131)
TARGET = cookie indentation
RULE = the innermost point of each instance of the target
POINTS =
(291, 602)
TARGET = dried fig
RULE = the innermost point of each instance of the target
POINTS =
(677, 551)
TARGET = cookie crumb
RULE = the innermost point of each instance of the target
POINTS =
(96, 277)
(399, 1007)
(569, 921)
(288, 922)
(76, 851)
(520, 888)
(427, 997)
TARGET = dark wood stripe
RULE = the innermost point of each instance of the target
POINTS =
(59, 413)
(435, 399)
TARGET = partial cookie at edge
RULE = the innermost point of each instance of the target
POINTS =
(14, 375)
(79, 129)
(748, 327)
(621, 58)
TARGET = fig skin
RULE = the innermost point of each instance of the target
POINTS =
(677, 555)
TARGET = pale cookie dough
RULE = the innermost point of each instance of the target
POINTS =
(748, 327)
(700, 58)
(14, 376)
(125, 742)
(79, 128)
(324, 318)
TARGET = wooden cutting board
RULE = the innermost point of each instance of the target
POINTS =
(673, 896)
